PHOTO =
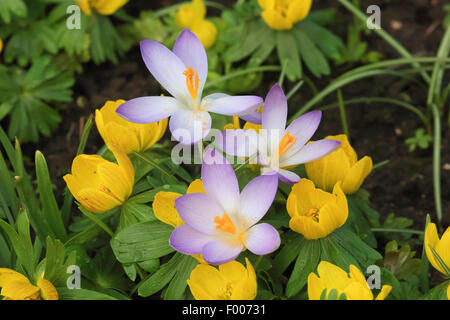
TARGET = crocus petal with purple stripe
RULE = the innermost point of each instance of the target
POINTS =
(188, 240)
(148, 109)
(310, 152)
(262, 239)
(220, 252)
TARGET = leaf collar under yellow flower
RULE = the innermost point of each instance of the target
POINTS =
(231, 281)
(353, 285)
(314, 212)
(15, 286)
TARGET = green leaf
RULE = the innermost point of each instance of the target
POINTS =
(178, 285)
(307, 261)
(160, 278)
(132, 213)
(287, 255)
(50, 208)
(313, 57)
(287, 53)
(56, 263)
(142, 241)
(12, 7)
(82, 294)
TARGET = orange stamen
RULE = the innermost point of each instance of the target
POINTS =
(286, 143)
(225, 224)
(313, 213)
(192, 81)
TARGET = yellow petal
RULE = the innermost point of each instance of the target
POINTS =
(209, 279)
(84, 170)
(443, 248)
(108, 7)
(199, 258)
(48, 291)
(358, 291)
(1, 45)
(432, 239)
(96, 201)
(20, 290)
(164, 208)
(309, 228)
(356, 175)
(275, 20)
(151, 133)
(114, 182)
(196, 186)
(84, 6)
(315, 286)
(356, 274)
(233, 271)
(332, 276)
(298, 10)
(125, 165)
(206, 31)
(122, 137)
(190, 13)
(7, 275)
(385, 290)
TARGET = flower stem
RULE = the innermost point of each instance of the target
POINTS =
(342, 113)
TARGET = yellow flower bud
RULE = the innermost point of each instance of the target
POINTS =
(231, 281)
(190, 13)
(104, 7)
(100, 185)
(314, 212)
(340, 165)
(206, 31)
(353, 285)
(441, 247)
(1, 45)
(283, 14)
(15, 286)
(126, 135)
(164, 208)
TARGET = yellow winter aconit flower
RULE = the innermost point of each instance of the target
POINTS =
(164, 208)
(15, 286)
(441, 247)
(353, 285)
(104, 7)
(192, 16)
(340, 165)
(232, 281)
(100, 185)
(314, 212)
(283, 14)
(128, 136)
(190, 13)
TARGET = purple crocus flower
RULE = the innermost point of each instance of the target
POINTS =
(220, 223)
(278, 147)
(182, 72)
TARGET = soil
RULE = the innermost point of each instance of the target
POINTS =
(404, 186)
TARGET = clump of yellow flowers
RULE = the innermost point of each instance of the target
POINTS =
(316, 213)
(15, 286)
(164, 208)
(440, 246)
(128, 136)
(283, 14)
(104, 7)
(231, 281)
(192, 16)
(340, 165)
(353, 285)
(100, 185)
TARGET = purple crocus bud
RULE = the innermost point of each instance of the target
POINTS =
(183, 72)
(220, 223)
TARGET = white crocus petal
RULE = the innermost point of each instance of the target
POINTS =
(310, 152)
(231, 105)
(275, 109)
(190, 126)
(241, 143)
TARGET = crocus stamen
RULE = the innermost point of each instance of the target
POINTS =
(286, 143)
(225, 224)
(191, 77)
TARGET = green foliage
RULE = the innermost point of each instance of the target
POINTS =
(421, 140)
(400, 261)
(26, 95)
